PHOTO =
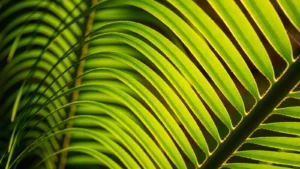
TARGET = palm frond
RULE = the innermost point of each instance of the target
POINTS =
(149, 84)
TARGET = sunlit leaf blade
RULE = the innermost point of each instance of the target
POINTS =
(168, 17)
(245, 35)
(289, 111)
(115, 148)
(292, 159)
(13, 49)
(180, 60)
(289, 143)
(220, 42)
(16, 104)
(83, 160)
(175, 103)
(295, 95)
(172, 21)
(180, 110)
(124, 138)
(269, 22)
(123, 119)
(97, 155)
(252, 166)
(152, 124)
(156, 106)
(283, 127)
(149, 121)
(111, 145)
(292, 10)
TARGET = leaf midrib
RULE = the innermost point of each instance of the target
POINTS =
(257, 116)
(67, 138)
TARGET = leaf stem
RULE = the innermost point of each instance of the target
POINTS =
(67, 138)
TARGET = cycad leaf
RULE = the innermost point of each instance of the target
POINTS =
(220, 42)
(289, 111)
(292, 159)
(182, 63)
(245, 35)
(292, 10)
(180, 110)
(225, 83)
(289, 143)
(295, 95)
(16, 104)
(126, 140)
(269, 22)
(157, 107)
(97, 155)
(148, 84)
(252, 166)
(283, 127)
(149, 121)
(114, 147)
(123, 137)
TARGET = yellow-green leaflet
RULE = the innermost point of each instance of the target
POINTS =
(270, 24)
(245, 35)
(292, 159)
(187, 68)
(295, 95)
(156, 106)
(252, 166)
(283, 127)
(289, 111)
(292, 10)
(218, 39)
(204, 56)
(290, 143)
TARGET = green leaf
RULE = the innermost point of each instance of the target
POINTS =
(173, 100)
(156, 106)
(156, 84)
(289, 111)
(295, 95)
(182, 63)
(251, 166)
(245, 36)
(218, 39)
(270, 24)
(150, 122)
(289, 143)
(131, 126)
(292, 10)
(283, 127)
(16, 105)
(97, 155)
(292, 159)
(112, 146)
(168, 17)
